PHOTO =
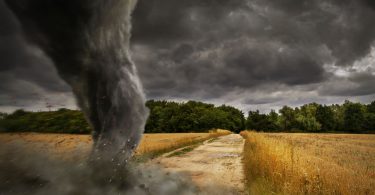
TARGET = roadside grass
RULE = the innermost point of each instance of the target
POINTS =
(153, 147)
(143, 157)
(309, 163)
(190, 148)
(212, 140)
(183, 150)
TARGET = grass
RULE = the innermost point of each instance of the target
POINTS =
(185, 150)
(212, 140)
(309, 163)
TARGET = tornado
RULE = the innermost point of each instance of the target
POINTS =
(88, 42)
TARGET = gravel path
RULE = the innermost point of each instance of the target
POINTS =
(215, 166)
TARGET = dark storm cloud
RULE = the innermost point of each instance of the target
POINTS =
(344, 26)
(166, 21)
(267, 100)
(208, 48)
(357, 84)
(211, 47)
(26, 74)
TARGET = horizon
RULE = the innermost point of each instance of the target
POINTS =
(245, 113)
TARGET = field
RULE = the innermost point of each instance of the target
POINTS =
(273, 163)
(155, 144)
(309, 163)
(68, 146)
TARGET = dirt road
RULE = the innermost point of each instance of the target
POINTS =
(214, 165)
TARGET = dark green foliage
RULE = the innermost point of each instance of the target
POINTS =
(369, 122)
(274, 122)
(288, 118)
(325, 116)
(263, 122)
(3, 115)
(235, 118)
(61, 121)
(165, 117)
(371, 107)
(192, 116)
(354, 116)
(306, 118)
(349, 117)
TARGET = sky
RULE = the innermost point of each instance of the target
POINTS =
(251, 54)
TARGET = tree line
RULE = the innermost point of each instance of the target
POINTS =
(165, 117)
(193, 116)
(60, 121)
(348, 117)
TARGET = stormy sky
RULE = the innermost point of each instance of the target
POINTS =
(252, 54)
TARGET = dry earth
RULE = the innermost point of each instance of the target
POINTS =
(214, 164)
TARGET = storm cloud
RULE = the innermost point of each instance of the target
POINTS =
(28, 77)
(216, 50)
(247, 53)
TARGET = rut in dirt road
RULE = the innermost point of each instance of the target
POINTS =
(214, 165)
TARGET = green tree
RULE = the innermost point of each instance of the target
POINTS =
(338, 117)
(354, 116)
(325, 116)
(288, 118)
(262, 122)
(191, 116)
(274, 121)
(3, 115)
(235, 118)
(371, 107)
(369, 122)
(308, 123)
(253, 120)
(305, 118)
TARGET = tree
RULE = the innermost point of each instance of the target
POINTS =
(369, 122)
(236, 118)
(262, 122)
(192, 116)
(353, 116)
(308, 123)
(253, 120)
(325, 116)
(3, 115)
(371, 107)
(338, 117)
(274, 121)
(288, 118)
(305, 118)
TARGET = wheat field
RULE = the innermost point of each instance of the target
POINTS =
(77, 147)
(309, 163)
(164, 142)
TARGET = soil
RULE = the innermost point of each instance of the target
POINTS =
(214, 164)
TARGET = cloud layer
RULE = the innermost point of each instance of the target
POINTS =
(248, 53)
(28, 77)
(262, 50)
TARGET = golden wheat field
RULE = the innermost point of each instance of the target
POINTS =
(163, 142)
(309, 163)
(68, 146)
